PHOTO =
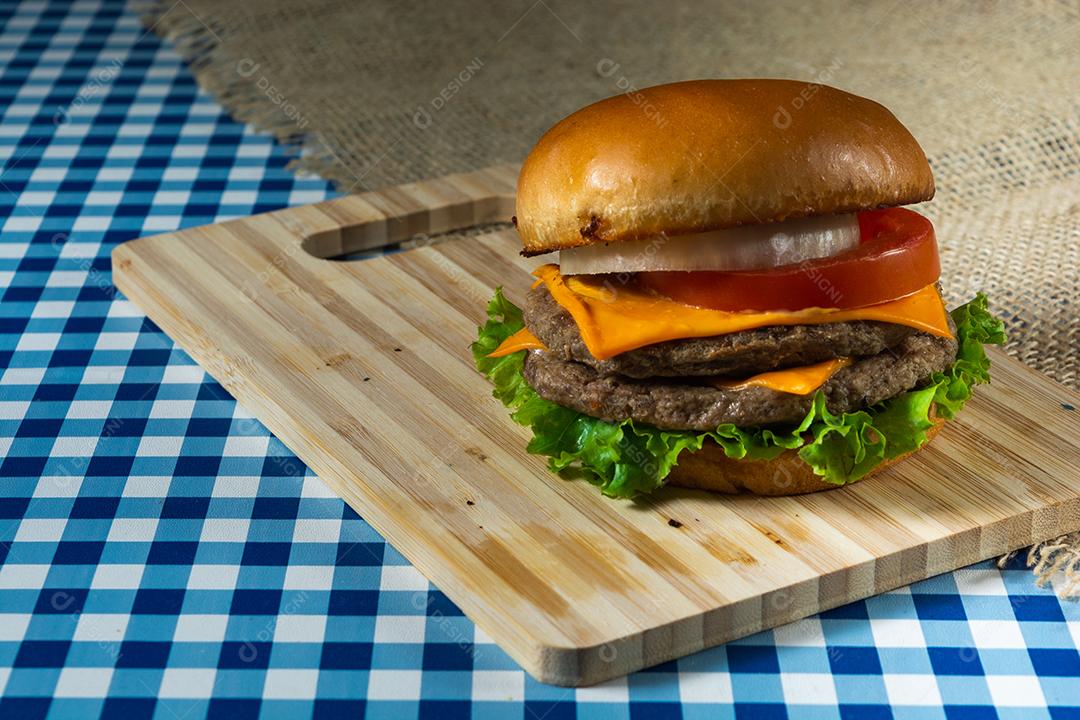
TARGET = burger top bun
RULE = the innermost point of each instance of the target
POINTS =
(708, 154)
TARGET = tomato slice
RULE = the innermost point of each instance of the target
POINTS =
(897, 256)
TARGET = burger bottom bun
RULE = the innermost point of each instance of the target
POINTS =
(710, 469)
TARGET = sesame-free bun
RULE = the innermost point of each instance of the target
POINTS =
(710, 469)
(709, 154)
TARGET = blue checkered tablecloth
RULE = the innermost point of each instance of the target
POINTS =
(161, 555)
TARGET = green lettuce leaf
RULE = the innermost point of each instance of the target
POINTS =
(627, 458)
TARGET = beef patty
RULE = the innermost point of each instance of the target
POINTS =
(735, 355)
(688, 404)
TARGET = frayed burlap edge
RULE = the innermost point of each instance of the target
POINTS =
(219, 72)
(1055, 562)
(227, 78)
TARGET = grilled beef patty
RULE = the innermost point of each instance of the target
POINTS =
(733, 355)
(689, 404)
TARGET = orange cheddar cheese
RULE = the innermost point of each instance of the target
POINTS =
(521, 340)
(797, 380)
(614, 318)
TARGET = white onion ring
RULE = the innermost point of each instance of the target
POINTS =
(743, 248)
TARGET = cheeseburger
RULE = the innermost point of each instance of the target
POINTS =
(735, 297)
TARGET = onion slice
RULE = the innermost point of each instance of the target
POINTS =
(749, 247)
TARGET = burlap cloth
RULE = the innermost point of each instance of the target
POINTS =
(376, 93)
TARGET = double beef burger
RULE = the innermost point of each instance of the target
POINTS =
(739, 301)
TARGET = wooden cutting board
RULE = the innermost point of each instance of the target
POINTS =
(362, 368)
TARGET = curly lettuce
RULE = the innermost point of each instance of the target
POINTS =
(626, 458)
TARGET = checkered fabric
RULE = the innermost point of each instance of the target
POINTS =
(161, 555)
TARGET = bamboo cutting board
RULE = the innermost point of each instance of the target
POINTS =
(362, 368)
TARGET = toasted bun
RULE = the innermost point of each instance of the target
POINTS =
(710, 469)
(709, 154)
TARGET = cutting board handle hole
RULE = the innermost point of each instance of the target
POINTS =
(355, 249)
(414, 215)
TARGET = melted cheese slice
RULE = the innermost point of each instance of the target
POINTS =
(797, 380)
(521, 340)
(614, 318)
